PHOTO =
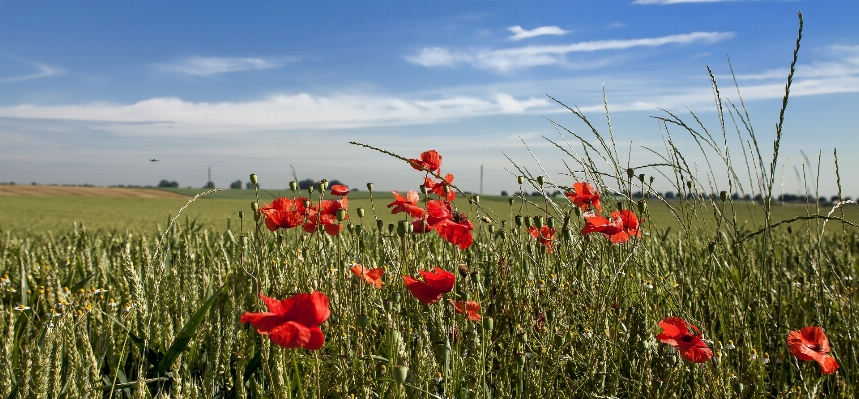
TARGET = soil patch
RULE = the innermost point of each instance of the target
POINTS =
(72, 191)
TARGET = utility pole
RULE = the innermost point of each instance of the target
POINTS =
(481, 179)
(210, 174)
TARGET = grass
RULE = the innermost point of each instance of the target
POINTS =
(137, 312)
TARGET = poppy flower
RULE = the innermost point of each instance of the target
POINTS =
(371, 276)
(544, 235)
(623, 224)
(583, 195)
(690, 345)
(409, 204)
(434, 285)
(420, 226)
(471, 309)
(439, 188)
(450, 225)
(429, 161)
(339, 190)
(292, 322)
(810, 343)
(325, 214)
(284, 213)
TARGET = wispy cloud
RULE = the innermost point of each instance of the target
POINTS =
(44, 71)
(519, 33)
(504, 60)
(617, 25)
(664, 2)
(208, 66)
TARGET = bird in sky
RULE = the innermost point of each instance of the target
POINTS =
(153, 160)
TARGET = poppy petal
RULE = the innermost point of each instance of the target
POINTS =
(309, 309)
(421, 291)
(290, 335)
(316, 340)
(828, 365)
(439, 280)
(672, 329)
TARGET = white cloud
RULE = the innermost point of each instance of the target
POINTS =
(207, 66)
(504, 60)
(519, 33)
(617, 25)
(45, 71)
(173, 116)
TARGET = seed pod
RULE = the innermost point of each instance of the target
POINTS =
(401, 373)
(360, 212)
(391, 228)
(241, 214)
(307, 202)
(511, 200)
(521, 179)
(293, 186)
(379, 224)
(254, 179)
(309, 189)
(642, 207)
(641, 177)
(538, 222)
(476, 199)
(723, 196)
(518, 220)
(578, 211)
(362, 320)
(370, 187)
(359, 228)
(568, 234)
(323, 185)
(540, 180)
(527, 221)
(396, 298)
(550, 221)
(341, 215)
(630, 173)
(488, 323)
(652, 179)
(255, 206)
(520, 359)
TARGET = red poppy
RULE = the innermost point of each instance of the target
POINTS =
(471, 309)
(622, 225)
(544, 235)
(450, 225)
(429, 161)
(810, 343)
(339, 190)
(439, 188)
(434, 285)
(371, 276)
(409, 204)
(690, 345)
(292, 322)
(325, 214)
(583, 195)
(283, 213)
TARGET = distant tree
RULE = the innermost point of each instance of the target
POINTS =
(168, 184)
(236, 185)
(834, 199)
(556, 193)
(503, 193)
(536, 194)
(249, 186)
(669, 195)
(845, 198)
(306, 183)
(747, 197)
(336, 183)
(735, 196)
(637, 194)
(210, 184)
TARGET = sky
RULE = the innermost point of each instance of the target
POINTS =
(90, 91)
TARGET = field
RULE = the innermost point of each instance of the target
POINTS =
(594, 295)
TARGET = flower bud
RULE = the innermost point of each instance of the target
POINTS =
(293, 186)
(550, 221)
(723, 196)
(711, 246)
(520, 359)
(568, 234)
(322, 185)
(370, 187)
(241, 214)
(620, 206)
(642, 207)
(362, 320)
(254, 179)
(401, 373)
(522, 338)
(630, 173)
(652, 179)
(538, 222)
(476, 199)
(341, 215)
(401, 228)
(641, 177)
(578, 211)
(520, 179)
(379, 224)
(511, 200)
(360, 212)
(689, 184)
(387, 305)
(488, 323)
(518, 220)
(309, 189)
(391, 228)
(359, 228)
(307, 202)
(396, 298)
(255, 206)
(305, 253)
(540, 180)
(527, 221)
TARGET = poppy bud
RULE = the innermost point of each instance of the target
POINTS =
(652, 179)
(341, 214)
(309, 189)
(641, 177)
(350, 227)
(410, 228)
(360, 212)
(446, 189)
(362, 320)
(323, 185)
(522, 337)
(391, 228)
(511, 200)
(711, 246)
(520, 359)
(559, 339)
(520, 179)
(400, 373)
(642, 207)
(568, 234)
(538, 222)
(491, 228)
(630, 173)
(255, 206)
(304, 253)
(620, 206)
(550, 316)
(476, 199)
(550, 221)
(387, 305)
(488, 323)
(370, 187)
(396, 298)
(254, 179)
(241, 214)
(578, 211)
(379, 224)
(723, 196)
(359, 228)
(518, 220)
(293, 186)
(689, 184)
(307, 202)
(527, 221)
(540, 180)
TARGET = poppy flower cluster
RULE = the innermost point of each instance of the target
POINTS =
(619, 228)
(439, 215)
(690, 345)
(292, 322)
(287, 213)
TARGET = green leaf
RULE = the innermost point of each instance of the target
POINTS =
(184, 337)
(81, 284)
(252, 366)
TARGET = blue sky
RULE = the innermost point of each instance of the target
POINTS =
(90, 91)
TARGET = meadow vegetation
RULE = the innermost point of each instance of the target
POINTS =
(319, 295)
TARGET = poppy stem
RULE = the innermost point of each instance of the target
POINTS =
(297, 372)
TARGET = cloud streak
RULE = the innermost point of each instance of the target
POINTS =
(516, 58)
(44, 71)
(519, 33)
(667, 2)
(208, 66)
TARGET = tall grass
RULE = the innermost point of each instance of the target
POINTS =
(139, 315)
